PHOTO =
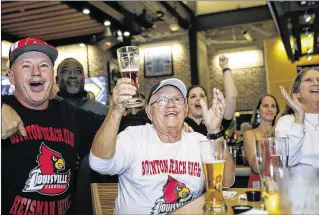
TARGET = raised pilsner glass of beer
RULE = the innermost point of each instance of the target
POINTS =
(129, 61)
(213, 155)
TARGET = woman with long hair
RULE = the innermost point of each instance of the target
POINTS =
(300, 120)
(197, 94)
(263, 121)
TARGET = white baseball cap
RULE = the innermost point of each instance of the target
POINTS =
(168, 82)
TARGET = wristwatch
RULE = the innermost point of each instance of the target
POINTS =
(212, 136)
(226, 69)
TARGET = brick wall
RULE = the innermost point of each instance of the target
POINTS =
(98, 59)
(93, 59)
(250, 82)
(181, 61)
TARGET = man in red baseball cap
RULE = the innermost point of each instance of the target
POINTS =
(41, 136)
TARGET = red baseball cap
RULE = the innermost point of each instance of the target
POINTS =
(31, 44)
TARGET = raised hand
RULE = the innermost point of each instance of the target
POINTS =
(11, 122)
(294, 103)
(223, 62)
(214, 116)
(123, 91)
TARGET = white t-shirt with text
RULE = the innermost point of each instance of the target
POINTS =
(154, 177)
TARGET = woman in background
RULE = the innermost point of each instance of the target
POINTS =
(263, 120)
(197, 94)
(300, 120)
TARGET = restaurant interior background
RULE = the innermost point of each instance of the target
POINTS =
(265, 42)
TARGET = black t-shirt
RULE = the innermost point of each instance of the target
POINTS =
(133, 120)
(201, 128)
(38, 170)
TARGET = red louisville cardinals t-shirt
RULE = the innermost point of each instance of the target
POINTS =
(38, 170)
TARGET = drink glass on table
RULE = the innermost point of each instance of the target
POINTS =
(213, 155)
(271, 155)
(129, 61)
(299, 190)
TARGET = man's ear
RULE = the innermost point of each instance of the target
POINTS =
(148, 111)
(11, 77)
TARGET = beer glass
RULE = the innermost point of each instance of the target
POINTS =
(129, 60)
(272, 157)
(213, 155)
(299, 190)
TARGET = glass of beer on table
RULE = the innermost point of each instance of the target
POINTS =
(129, 61)
(272, 158)
(213, 156)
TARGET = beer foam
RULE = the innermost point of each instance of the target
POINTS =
(211, 161)
(132, 69)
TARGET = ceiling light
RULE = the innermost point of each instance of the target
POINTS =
(119, 33)
(107, 23)
(303, 2)
(126, 33)
(309, 58)
(307, 17)
(174, 27)
(108, 43)
(86, 11)
(82, 45)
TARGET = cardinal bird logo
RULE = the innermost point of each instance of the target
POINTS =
(49, 177)
(174, 191)
(176, 194)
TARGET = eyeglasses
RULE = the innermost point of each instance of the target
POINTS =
(162, 101)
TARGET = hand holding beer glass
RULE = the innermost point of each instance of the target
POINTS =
(213, 156)
(129, 60)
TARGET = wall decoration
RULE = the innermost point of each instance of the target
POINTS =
(113, 73)
(158, 61)
(97, 86)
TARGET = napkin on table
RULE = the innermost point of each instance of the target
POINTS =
(229, 194)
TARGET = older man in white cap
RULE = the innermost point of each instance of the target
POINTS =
(41, 137)
(159, 164)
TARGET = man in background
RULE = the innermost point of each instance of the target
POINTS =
(70, 79)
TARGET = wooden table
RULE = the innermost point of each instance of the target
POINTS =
(104, 195)
(196, 206)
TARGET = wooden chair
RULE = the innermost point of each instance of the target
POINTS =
(103, 198)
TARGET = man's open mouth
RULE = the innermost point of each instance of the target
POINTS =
(36, 86)
(36, 83)
(314, 91)
(170, 113)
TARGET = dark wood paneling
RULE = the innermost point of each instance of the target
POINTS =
(29, 6)
(15, 4)
(34, 12)
(46, 25)
(38, 23)
(39, 16)
(72, 33)
(60, 29)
